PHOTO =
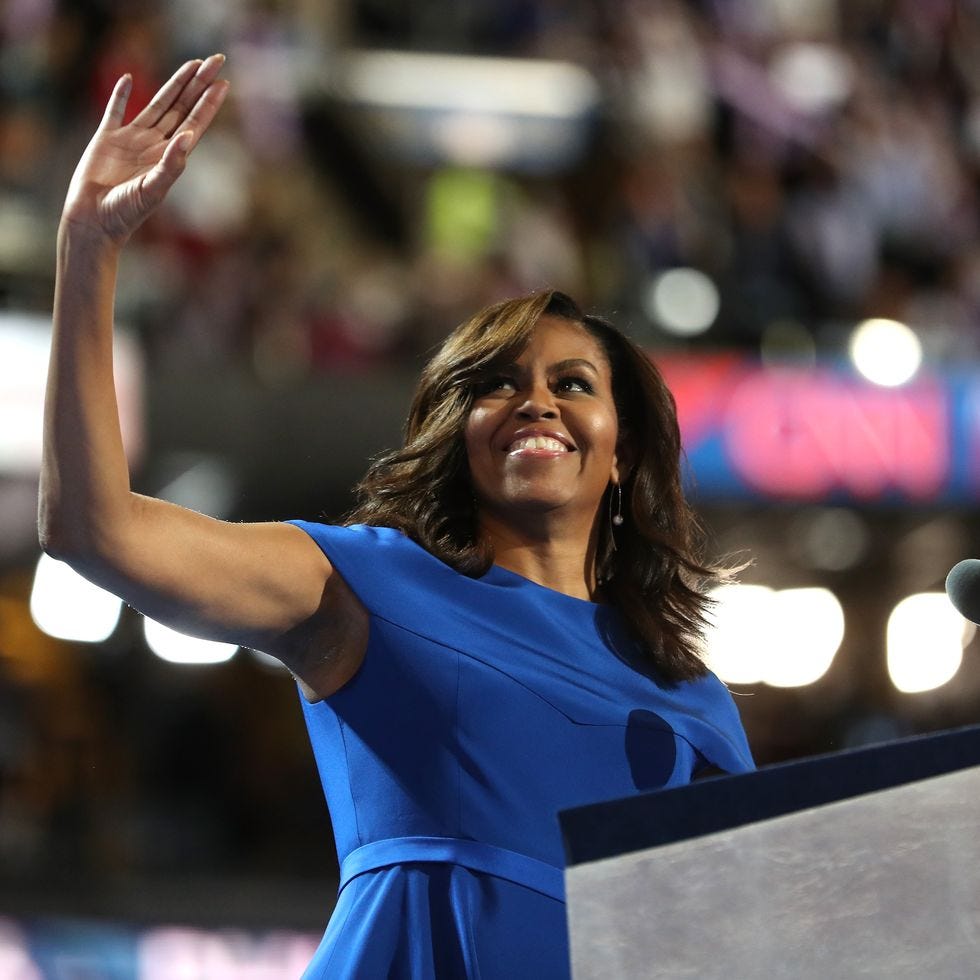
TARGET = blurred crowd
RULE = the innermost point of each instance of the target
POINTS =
(817, 160)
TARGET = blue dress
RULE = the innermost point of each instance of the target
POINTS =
(482, 708)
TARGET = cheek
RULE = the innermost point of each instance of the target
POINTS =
(605, 434)
(476, 434)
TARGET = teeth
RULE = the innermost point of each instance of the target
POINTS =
(538, 442)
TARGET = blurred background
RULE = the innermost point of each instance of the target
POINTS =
(777, 198)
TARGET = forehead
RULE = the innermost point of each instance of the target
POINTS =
(555, 339)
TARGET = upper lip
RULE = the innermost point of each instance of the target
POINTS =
(532, 431)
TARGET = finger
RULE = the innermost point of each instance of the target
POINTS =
(167, 95)
(201, 116)
(115, 108)
(178, 115)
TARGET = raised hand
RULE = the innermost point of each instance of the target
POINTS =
(126, 171)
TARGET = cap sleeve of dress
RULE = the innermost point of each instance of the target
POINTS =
(383, 567)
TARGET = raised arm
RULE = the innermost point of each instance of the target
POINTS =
(266, 586)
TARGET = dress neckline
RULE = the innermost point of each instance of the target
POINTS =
(497, 575)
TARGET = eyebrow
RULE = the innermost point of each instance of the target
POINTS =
(574, 362)
(565, 365)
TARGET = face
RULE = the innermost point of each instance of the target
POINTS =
(542, 433)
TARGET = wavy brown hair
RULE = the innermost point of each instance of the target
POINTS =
(649, 567)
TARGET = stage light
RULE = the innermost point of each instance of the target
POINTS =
(25, 342)
(813, 78)
(925, 639)
(68, 607)
(459, 83)
(807, 629)
(179, 648)
(784, 638)
(737, 643)
(683, 301)
(886, 352)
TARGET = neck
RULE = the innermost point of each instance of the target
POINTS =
(558, 557)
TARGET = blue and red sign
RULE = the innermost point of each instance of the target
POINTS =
(823, 433)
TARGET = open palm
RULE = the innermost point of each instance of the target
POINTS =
(126, 170)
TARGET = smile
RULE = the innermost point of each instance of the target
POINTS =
(537, 446)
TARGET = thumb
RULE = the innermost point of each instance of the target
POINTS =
(170, 166)
(182, 142)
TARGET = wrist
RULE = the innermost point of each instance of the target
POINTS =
(75, 234)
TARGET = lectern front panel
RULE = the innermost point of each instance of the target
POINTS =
(881, 885)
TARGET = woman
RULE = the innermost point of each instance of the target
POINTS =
(510, 628)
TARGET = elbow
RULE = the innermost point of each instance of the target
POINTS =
(77, 537)
(78, 524)
(53, 541)
(56, 535)
(62, 544)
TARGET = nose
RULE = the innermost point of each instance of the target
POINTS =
(539, 404)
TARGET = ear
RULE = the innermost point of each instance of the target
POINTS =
(622, 464)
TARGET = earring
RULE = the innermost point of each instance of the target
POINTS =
(617, 518)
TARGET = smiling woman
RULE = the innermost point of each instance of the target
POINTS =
(539, 366)
(506, 626)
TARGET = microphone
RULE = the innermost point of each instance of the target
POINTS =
(963, 588)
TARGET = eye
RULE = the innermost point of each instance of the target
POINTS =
(574, 382)
(493, 384)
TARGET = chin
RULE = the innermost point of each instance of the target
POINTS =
(536, 504)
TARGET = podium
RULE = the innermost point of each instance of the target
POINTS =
(864, 863)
